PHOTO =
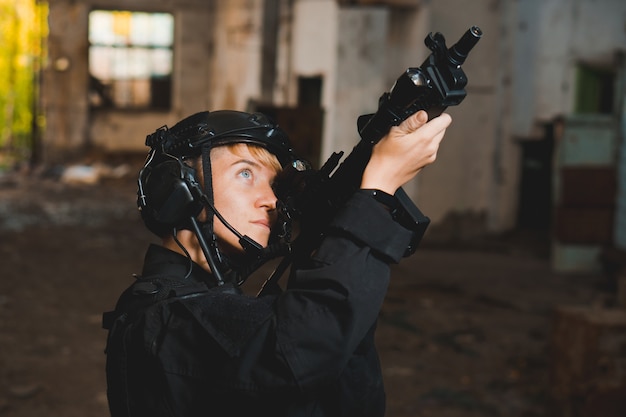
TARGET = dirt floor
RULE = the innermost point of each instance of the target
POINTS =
(464, 331)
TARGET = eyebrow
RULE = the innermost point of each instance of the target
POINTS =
(246, 162)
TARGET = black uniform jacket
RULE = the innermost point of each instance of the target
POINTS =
(177, 347)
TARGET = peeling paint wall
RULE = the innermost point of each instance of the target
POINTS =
(71, 127)
(65, 81)
(552, 37)
(314, 53)
(235, 71)
(461, 179)
(521, 74)
(361, 66)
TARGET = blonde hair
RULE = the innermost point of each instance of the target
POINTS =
(264, 156)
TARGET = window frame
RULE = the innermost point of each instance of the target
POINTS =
(100, 90)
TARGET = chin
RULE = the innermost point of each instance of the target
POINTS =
(261, 240)
(237, 249)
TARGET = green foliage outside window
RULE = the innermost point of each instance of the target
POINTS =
(23, 29)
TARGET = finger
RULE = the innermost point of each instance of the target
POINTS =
(437, 125)
(413, 122)
(443, 120)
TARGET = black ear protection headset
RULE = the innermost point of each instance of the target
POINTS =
(170, 195)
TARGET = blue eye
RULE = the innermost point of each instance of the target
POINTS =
(246, 173)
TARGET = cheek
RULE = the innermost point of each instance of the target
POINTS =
(231, 205)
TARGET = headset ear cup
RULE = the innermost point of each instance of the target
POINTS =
(169, 200)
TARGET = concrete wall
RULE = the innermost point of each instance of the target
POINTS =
(235, 70)
(552, 37)
(620, 204)
(64, 81)
(521, 74)
(360, 71)
(313, 53)
(358, 51)
(71, 127)
(462, 179)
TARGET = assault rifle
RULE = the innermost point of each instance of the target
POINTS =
(313, 197)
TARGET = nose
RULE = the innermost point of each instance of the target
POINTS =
(267, 199)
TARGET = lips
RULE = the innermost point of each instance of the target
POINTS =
(263, 222)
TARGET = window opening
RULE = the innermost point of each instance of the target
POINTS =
(594, 90)
(310, 91)
(130, 59)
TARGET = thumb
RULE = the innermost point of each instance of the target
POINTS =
(414, 122)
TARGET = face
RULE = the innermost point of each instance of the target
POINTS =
(243, 195)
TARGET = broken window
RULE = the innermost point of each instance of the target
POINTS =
(130, 59)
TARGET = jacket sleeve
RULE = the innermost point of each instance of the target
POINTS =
(328, 309)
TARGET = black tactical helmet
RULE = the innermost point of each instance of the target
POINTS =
(209, 129)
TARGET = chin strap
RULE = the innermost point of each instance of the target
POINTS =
(237, 268)
(212, 257)
(280, 246)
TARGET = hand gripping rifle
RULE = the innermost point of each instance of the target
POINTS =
(314, 197)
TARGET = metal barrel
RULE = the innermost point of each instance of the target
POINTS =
(458, 52)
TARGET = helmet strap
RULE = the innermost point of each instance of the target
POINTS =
(206, 227)
(235, 268)
(206, 172)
